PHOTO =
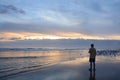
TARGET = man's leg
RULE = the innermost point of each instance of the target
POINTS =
(90, 66)
(94, 66)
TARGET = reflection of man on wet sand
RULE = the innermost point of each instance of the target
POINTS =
(92, 52)
(92, 75)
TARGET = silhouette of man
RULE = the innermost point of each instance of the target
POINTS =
(92, 52)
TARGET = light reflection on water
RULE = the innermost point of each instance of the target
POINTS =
(18, 59)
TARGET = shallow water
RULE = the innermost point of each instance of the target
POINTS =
(70, 64)
(20, 59)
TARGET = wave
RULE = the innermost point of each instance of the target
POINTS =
(22, 49)
(15, 71)
(23, 57)
(37, 49)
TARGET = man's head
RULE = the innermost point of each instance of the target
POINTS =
(92, 45)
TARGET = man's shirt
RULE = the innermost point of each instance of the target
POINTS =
(92, 52)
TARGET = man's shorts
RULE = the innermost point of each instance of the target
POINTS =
(91, 59)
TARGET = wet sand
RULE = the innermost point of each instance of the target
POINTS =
(76, 69)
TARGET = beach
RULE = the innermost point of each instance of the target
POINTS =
(71, 68)
(59, 39)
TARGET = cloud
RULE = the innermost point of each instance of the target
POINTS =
(14, 36)
(6, 9)
(58, 17)
(88, 17)
(93, 28)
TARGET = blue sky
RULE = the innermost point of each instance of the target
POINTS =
(59, 19)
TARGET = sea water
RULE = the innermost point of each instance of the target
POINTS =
(16, 60)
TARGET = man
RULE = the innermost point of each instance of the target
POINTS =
(92, 52)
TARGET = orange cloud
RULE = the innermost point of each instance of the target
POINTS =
(11, 36)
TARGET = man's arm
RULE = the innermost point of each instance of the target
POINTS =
(89, 51)
(95, 52)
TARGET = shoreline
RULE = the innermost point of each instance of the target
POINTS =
(71, 70)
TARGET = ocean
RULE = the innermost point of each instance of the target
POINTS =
(15, 60)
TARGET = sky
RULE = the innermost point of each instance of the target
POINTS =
(59, 19)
